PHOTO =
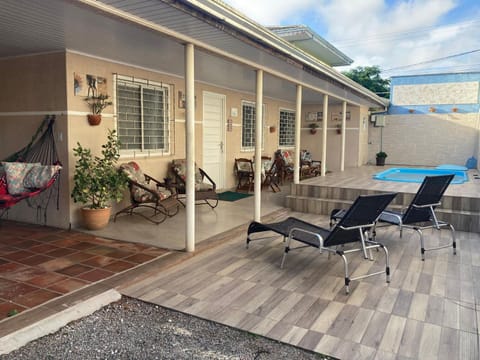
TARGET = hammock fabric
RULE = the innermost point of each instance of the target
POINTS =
(41, 149)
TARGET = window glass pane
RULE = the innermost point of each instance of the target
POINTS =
(248, 125)
(142, 119)
(287, 128)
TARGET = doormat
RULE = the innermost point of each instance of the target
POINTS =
(232, 196)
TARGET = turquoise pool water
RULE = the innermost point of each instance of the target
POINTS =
(416, 175)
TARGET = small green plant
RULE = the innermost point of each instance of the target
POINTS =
(12, 312)
(96, 179)
(98, 103)
(381, 154)
(313, 126)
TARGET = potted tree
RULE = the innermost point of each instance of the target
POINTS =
(97, 104)
(97, 182)
(380, 157)
(313, 128)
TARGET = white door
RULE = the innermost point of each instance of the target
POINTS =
(214, 137)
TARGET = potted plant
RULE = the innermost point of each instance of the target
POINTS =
(97, 104)
(313, 128)
(380, 157)
(97, 182)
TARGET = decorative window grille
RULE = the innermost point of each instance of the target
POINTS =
(142, 115)
(287, 128)
(248, 125)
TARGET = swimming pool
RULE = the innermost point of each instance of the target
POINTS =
(417, 175)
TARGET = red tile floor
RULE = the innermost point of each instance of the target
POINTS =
(39, 263)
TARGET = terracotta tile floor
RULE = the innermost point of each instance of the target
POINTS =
(39, 263)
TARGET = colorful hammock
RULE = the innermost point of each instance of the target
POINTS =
(41, 149)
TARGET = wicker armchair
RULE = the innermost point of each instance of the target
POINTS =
(205, 187)
(147, 192)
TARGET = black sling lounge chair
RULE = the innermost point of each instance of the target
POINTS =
(420, 214)
(353, 227)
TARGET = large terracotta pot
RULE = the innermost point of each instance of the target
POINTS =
(94, 219)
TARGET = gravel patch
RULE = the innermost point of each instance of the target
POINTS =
(133, 329)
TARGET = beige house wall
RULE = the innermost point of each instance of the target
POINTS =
(426, 139)
(355, 137)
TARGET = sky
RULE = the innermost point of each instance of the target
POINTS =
(402, 37)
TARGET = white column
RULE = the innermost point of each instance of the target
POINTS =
(190, 146)
(324, 134)
(344, 128)
(298, 124)
(258, 145)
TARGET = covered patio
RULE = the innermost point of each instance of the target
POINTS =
(209, 48)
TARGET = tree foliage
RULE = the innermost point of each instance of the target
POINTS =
(369, 77)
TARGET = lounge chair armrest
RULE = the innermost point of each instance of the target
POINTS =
(205, 175)
(148, 178)
(172, 186)
(426, 205)
(356, 227)
(300, 230)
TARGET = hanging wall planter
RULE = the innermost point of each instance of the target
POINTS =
(94, 119)
(97, 104)
(313, 128)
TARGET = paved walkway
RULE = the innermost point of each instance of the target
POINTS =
(38, 263)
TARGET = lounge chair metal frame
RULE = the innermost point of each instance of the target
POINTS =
(353, 227)
(207, 196)
(162, 208)
(420, 214)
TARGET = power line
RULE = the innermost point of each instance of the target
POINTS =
(433, 60)
(400, 34)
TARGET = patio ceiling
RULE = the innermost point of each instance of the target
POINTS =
(151, 33)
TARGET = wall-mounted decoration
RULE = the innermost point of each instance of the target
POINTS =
(89, 85)
(314, 116)
(234, 112)
(348, 116)
(336, 116)
(229, 125)
(181, 99)
(78, 83)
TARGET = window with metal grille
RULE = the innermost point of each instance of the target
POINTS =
(142, 116)
(248, 125)
(286, 131)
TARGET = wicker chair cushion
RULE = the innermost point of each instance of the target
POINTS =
(287, 157)
(140, 195)
(203, 187)
(179, 166)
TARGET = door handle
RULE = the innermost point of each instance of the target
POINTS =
(221, 146)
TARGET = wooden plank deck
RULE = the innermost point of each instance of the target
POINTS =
(429, 310)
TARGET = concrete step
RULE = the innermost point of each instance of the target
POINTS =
(456, 203)
(462, 220)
